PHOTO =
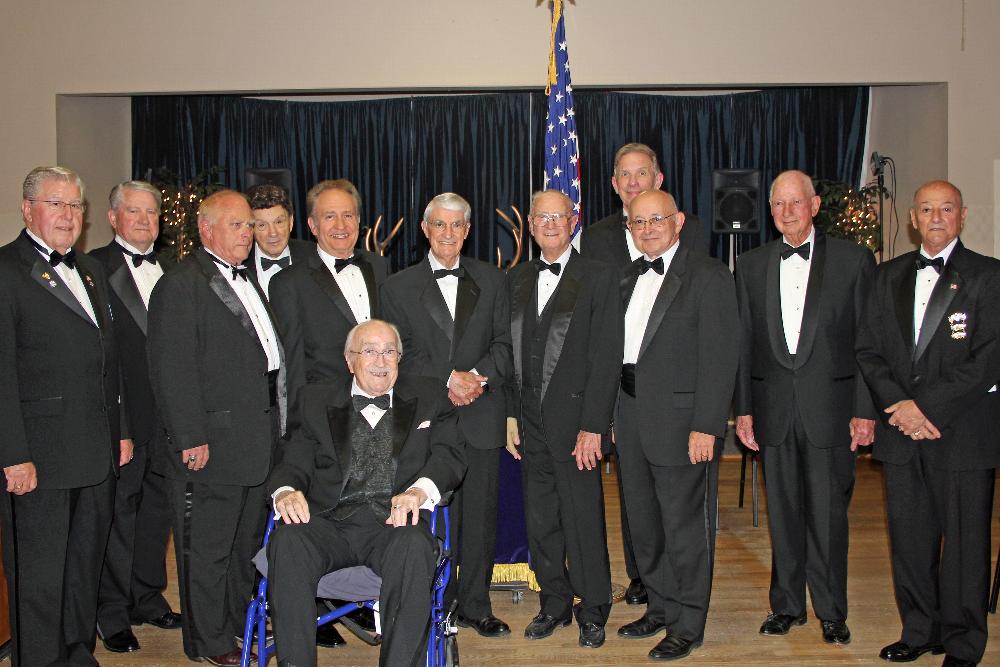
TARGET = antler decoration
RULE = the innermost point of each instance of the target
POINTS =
(517, 231)
(372, 244)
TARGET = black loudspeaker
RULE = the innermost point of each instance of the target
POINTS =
(736, 201)
(260, 176)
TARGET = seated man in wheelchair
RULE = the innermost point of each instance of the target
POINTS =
(365, 462)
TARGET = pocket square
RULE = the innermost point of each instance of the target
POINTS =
(424, 424)
(992, 390)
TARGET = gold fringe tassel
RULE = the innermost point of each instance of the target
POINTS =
(556, 14)
(504, 573)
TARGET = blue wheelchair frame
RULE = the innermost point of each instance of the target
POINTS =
(442, 646)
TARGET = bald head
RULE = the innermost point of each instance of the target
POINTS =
(794, 204)
(225, 225)
(796, 177)
(938, 215)
(654, 222)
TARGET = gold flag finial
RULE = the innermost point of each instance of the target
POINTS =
(556, 14)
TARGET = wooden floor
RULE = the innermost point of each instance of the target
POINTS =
(739, 603)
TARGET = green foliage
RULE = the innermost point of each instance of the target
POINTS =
(849, 213)
(179, 213)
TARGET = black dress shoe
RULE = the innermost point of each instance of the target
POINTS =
(169, 621)
(636, 593)
(364, 618)
(950, 661)
(591, 635)
(644, 627)
(903, 652)
(779, 624)
(836, 632)
(487, 626)
(327, 636)
(121, 642)
(673, 648)
(543, 625)
(231, 659)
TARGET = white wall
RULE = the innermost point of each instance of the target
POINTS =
(51, 47)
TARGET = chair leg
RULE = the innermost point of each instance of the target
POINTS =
(754, 490)
(743, 475)
(995, 590)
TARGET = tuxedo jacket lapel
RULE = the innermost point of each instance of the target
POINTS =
(341, 420)
(369, 275)
(402, 412)
(465, 304)
(669, 288)
(772, 306)
(521, 292)
(621, 248)
(562, 303)
(101, 309)
(45, 275)
(948, 285)
(218, 284)
(433, 302)
(903, 286)
(329, 285)
(814, 297)
(127, 291)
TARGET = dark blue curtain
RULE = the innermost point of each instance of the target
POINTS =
(401, 152)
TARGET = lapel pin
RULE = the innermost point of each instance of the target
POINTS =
(90, 281)
(46, 276)
(953, 286)
(52, 283)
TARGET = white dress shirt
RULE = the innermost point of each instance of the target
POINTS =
(927, 278)
(145, 275)
(794, 280)
(640, 305)
(373, 415)
(352, 284)
(548, 281)
(448, 284)
(264, 277)
(258, 312)
(70, 276)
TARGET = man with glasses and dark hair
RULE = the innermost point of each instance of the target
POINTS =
(135, 572)
(59, 405)
(678, 373)
(565, 313)
(217, 372)
(273, 221)
(453, 315)
(368, 457)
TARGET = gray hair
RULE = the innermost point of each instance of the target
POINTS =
(341, 184)
(33, 181)
(352, 334)
(636, 148)
(539, 193)
(117, 196)
(807, 182)
(450, 202)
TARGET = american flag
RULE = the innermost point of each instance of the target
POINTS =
(562, 152)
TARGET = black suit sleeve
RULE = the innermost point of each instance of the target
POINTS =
(607, 334)
(14, 448)
(742, 402)
(863, 406)
(718, 354)
(445, 464)
(395, 314)
(872, 359)
(498, 362)
(298, 454)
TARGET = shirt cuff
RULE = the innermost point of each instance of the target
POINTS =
(274, 496)
(471, 370)
(426, 485)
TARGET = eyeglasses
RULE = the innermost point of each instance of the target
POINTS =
(545, 219)
(440, 225)
(59, 206)
(655, 222)
(390, 354)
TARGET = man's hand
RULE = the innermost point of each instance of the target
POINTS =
(862, 432)
(744, 431)
(701, 447)
(466, 386)
(402, 505)
(195, 458)
(127, 451)
(513, 438)
(906, 416)
(21, 478)
(292, 507)
(587, 450)
(926, 432)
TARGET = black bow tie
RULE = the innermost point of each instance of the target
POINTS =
(923, 262)
(554, 267)
(138, 257)
(55, 257)
(458, 272)
(656, 265)
(787, 251)
(238, 271)
(340, 264)
(282, 262)
(362, 402)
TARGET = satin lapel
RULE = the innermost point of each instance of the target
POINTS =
(124, 287)
(903, 287)
(402, 419)
(521, 294)
(433, 302)
(341, 419)
(948, 285)
(628, 282)
(369, 275)
(46, 276)
(465, 304)
(623, 257)
(329, 285)
(814, 298)
(101, 310)
(669, 288)
(562, 302)
(282, 382)
(226, 294)
(772, 307)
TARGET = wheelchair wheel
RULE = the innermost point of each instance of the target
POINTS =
(451, 651)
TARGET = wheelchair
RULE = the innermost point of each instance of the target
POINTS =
(362, 586)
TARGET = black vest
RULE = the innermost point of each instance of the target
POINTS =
(533, 338)
(372, 468)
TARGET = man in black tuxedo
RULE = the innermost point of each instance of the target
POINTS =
(636, 170)
(273, 220)
(365, 459)
(454, 318)
(929, 351)
(62, 442)
(566, 331)
(678, 373)
(217, 372)
(319, 300)
(135, 572)
(801, 401)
